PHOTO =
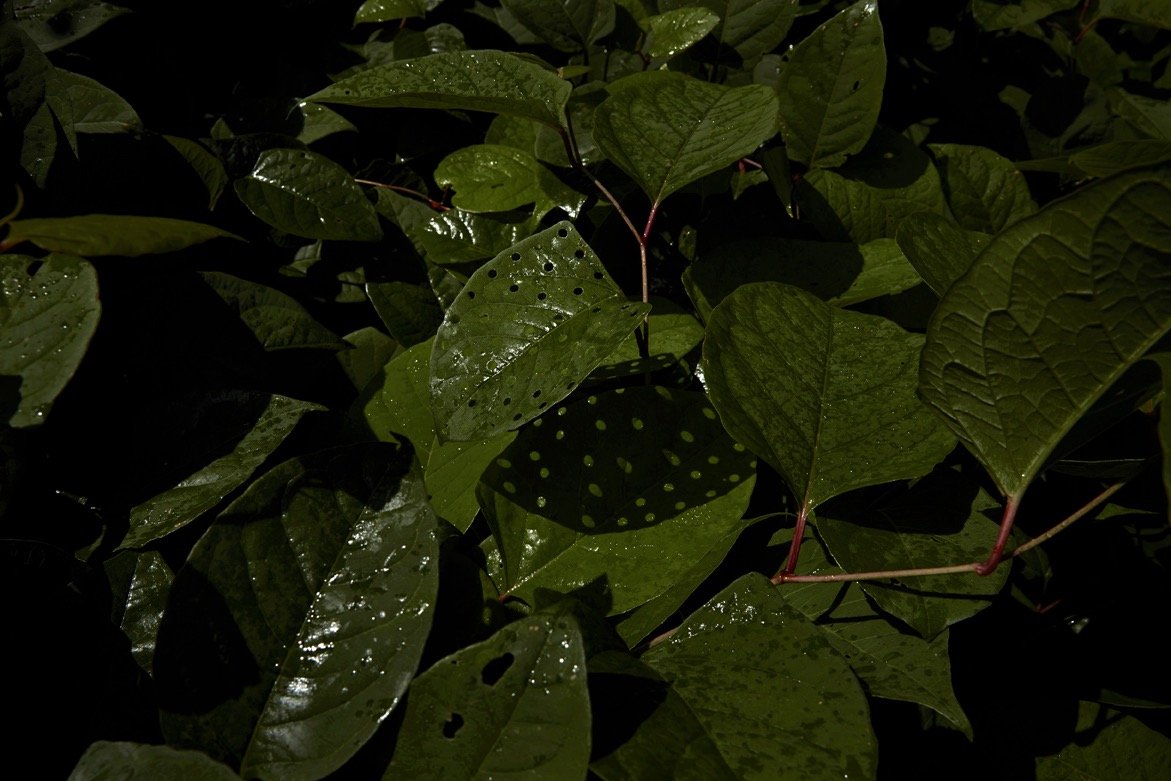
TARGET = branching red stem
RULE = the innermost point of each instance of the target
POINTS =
(434, 204)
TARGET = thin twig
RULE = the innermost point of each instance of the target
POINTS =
(434, 204)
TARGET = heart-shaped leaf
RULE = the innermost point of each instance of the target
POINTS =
(105, 760)
(308, 195)
(672, 32)
(826, 396)
(528, 327)
(494, 178)
(300, 616)
(939, 250)
(830, 87)
(630, 487)
(762, 679)
(666, 130)
(986, 192)
(1053, 311)
(514, 705)
(112, 234)
(473, 80)
(49, 310)
(566, 25)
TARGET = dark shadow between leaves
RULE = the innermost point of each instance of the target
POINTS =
(938, 504)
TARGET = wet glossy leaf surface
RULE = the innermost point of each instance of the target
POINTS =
(255, 424)
(527, 328)
(625, 510)
(515, 704)
(494, 178)
(666, 131)
(308, 195)
(1052, 313)
(387, 10)
(112, 234)
(826, 396)
(458, 236)
(299, 619)
(140, 582)
(830, 87)
(768, 688)
(567, 25)
(277, 320)
(49, 310)
(749, 27)
(674, 31)
(109, 760)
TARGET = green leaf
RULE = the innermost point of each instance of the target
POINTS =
(318, 122)
(750, 27)
(566, 25)
(1152, 117)
(1163, 361)
(870, 195)
(674, 334)
(1000, 15)
(389, 10)
(457, 236)
(370, 350)
(837, 272)
(140, 582)
(397, 401)
(514, 705)
(764, 682)
(53, 27)
(300, 616)
(986, 192)
(1116, 156)
(1156, 13)
(82, 105)
(669, 742)
(410, 312)
(49, 310)
(493, 178)
(105, 761)
(666, 130)
(257, 424)
(112, 234)
(891, 664)
(938, 250)
(529, 326)
(628, 488)
(826, 396)
(830, 87)
(308, 195)
(206, 165)
(472, 80)
(1053, 311)
(676, 31)
(1105, 743)
(277, 320)
(452, 473)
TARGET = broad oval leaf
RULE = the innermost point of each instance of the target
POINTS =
(105, 760)
(458, 236)
(82, 105)
(830, 87)
(826, 396)
(308, 195)
(112, 234)
(49, 310)
(300, 616)
(748, 27)
(495, 178)
(528, 327)
(388, 10)
(277, 320)
(666, 130)
(514, 705)
(765, 683)
(986, 192)
(483, 80)
(1053, 311)
(628, 488)
(566, 25)
(677, 30)
(938, 249)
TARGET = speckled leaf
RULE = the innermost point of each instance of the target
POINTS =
(938, 249)
(514, 705)
(1053, 311)
(457, 236)
(629, 487)
(528, 327)
(942, 520)
(389, 10)
(838, 272)
(112, 234)
(494, 178)
(300, 616)
(749, 27)
(830, 87)
(307, 194)
(986, 192)
(452, 473)
(677, 30)
(140, 582)
(666, 130)
(49, 310)
(261, 422)
(397, 401)
(1107, 742)
(764, 682)
(109, 761)
(890, 662)
(472, 80)
(566, 25)
(826, 396)
(277, 320)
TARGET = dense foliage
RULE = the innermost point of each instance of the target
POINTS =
(436, 389)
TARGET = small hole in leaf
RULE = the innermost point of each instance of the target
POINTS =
(579, 254)
(507, 400)
(541, 296)
(516, 256)
(599, 275)
(452, 725)
(854, 88)
(542, 405)
(513, 288)
(569, 385)
(596, 309)
(536, 394)
(548, 266)
(558, 317)
(494, 670)
(471, 294)
(492, 273)
(471, 402)
(517, 416)
(577, 291)
(563, 233)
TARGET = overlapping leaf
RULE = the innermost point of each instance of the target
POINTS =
(106, 759)
(494, 178)
(277, 320)
(826, 396)
(140, 582)
(515, 704)
(748, 27)
(300, 616)
(1054, 310)
(49, 310)
(112, 234)
(986, 192)
(674, 31)
(938, 249)
(666, 130)
(474, 80)
(566, 25)
(458, 236)
(629, 487)
(528, 327)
